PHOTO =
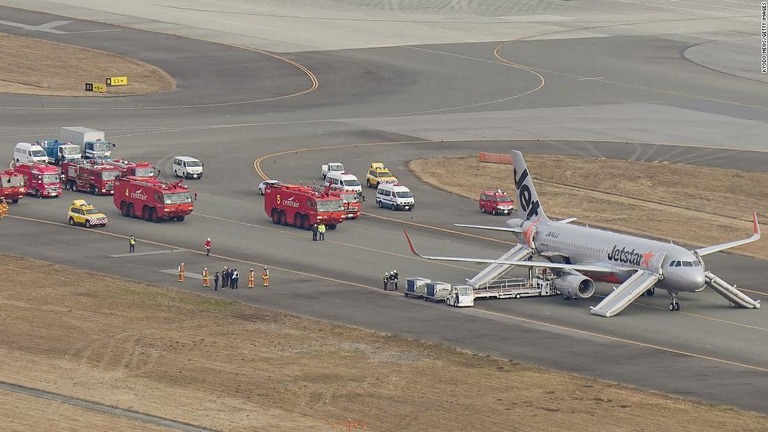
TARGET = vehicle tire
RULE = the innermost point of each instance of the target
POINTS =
(517, 296)
(261, 191)
(394, 206)
(677, 307)
(15, 200)
(297, 218)
(180, 218)
(305, 223)
(494, 212)
(131, 210)
(72, 221)
(368, 182)
(153, 215)
(650, 291)
(381, 205)
(482, 209)
(87, 223)
(671, 307)
(281, 217)
(275, 216)
(37, 193)
(146, 214)
(331, 226)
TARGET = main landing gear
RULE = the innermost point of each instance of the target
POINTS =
(674, 306)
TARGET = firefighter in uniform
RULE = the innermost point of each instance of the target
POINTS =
(265, 277)
(386, 280)
(206, 279)
(3, 208)
(181, 272)
(251, 278)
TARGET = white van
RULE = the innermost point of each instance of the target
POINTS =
(395, 196)
(343, 181)
(187, 167)
(29, 153)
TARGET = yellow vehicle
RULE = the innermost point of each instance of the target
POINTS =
(378, 173)
(82, 213)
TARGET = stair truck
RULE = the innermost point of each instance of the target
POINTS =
(59, 152)
(40, 180)
(151, 199)
(90, 176)
(303, 206)
(135, 169)
(91, 140)
(11, 186)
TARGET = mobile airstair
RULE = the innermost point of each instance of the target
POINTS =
(494, 271)
(730, 292)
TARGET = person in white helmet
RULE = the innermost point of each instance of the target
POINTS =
(208, 246)
(393, 277)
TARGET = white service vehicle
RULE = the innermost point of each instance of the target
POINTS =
(343, 181)
(187, 167)
(331, 167)
(29, 153)
(394, 196)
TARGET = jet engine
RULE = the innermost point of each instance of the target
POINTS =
(575, 286)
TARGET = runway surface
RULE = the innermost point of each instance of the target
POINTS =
(294, 84)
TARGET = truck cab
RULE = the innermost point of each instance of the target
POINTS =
(98, 149)
(41, 180)
(331, 167)
(11, 186)
(495, 202)
(59, 152)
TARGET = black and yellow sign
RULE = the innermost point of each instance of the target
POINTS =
(117, 81)
(100, 88)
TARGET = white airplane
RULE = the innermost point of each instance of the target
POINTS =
(579, 255)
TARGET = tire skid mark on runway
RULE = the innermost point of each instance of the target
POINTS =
(477, 310)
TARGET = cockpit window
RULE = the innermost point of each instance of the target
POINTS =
(696, 264)
(687, 264)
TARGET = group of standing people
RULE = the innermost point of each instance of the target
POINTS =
(390, 280)
(318, 231)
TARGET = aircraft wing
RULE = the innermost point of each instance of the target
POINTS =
(493, 228)
(717, 248)
(540, 264)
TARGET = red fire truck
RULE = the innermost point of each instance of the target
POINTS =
(11, 186)
(151, 199)
(302, 206)
(90, 175)
(40, 180)
(350, 198)
(135, 169)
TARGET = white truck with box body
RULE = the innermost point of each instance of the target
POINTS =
(331, 167)
(92, 141)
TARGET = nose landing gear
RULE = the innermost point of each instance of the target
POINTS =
(674, 306)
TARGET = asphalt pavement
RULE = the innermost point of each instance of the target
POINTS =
(575, 81)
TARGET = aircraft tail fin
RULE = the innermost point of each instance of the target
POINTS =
(528, 204)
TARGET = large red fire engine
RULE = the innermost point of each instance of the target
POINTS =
(302, 206)
(40, 180)
(11, 186)
(90, 175)
(152, 199)
(350, 198)
(135, 169)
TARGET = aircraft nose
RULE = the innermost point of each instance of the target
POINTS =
(695, 279)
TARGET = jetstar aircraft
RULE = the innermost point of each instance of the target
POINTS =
(578, 255)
